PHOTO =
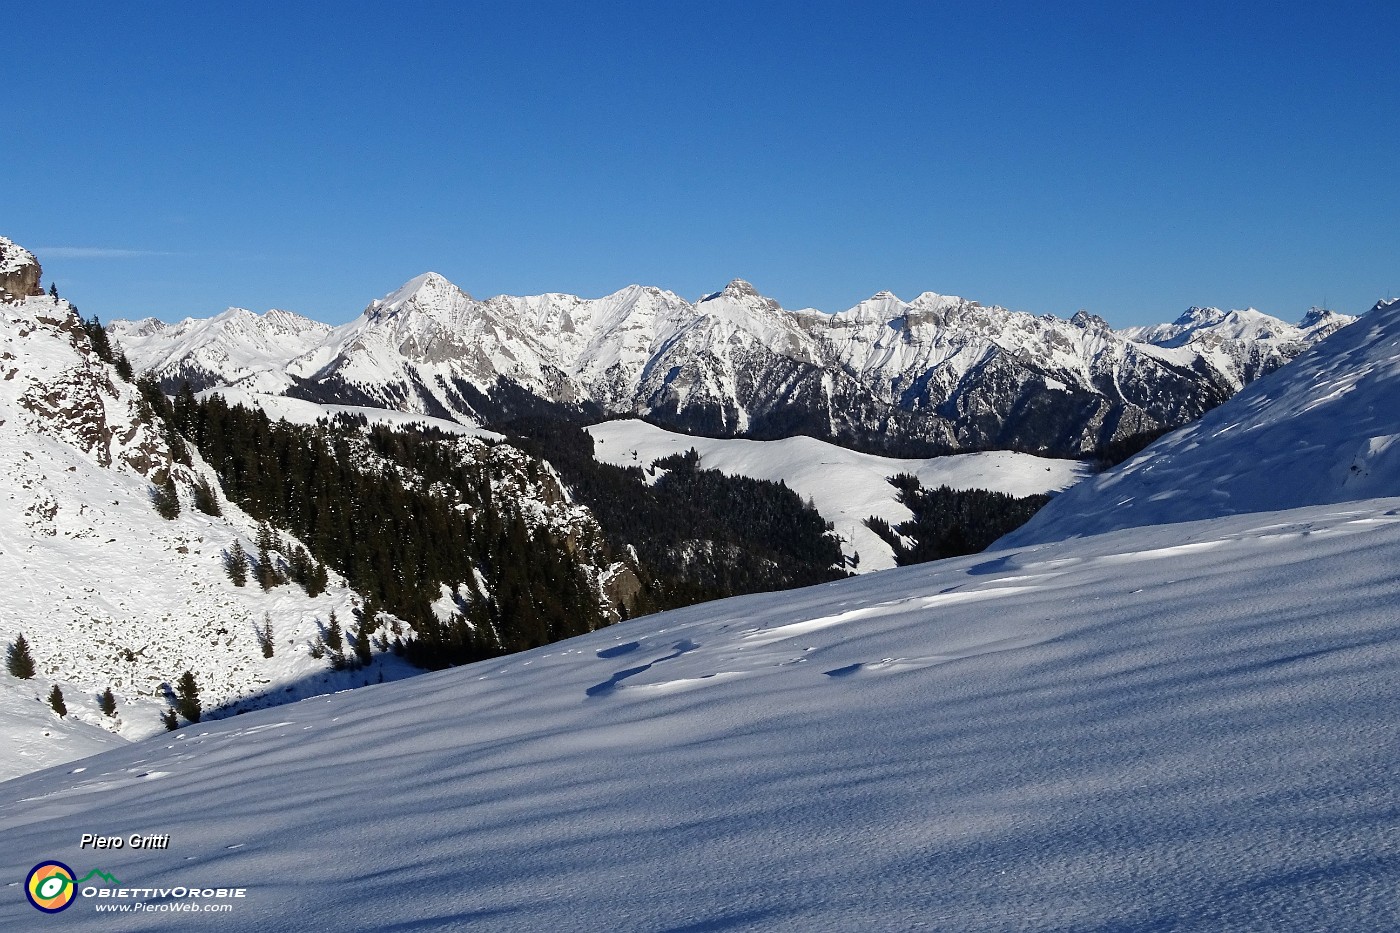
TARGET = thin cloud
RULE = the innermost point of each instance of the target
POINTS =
(97, 252)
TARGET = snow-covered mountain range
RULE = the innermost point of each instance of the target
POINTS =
(933, 375)
(1187, 726)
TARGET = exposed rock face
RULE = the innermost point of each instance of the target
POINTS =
(20, 272)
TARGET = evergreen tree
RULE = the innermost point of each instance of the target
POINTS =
(168, 718)
(334, 637)
(56, 701)
(363, 651)
(267, 574)
(123, 366)
(166, 498)
(265, 635)
(236, 563)
(205, 499)
(107, 702)
(18, 660)
(53, 290)
(187, 697)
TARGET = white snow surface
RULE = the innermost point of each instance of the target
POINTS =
(1323, 429)
(846, 486)
(300, 411)
(1185, 727)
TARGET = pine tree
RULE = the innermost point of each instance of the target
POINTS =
(166, 498)
(168, 718)
(18, 659)
(204, 498)
(53, 290)
(123, 366)
(363, 652)
(107, 702)
(333, 637)
(187, 697)
(265, 635)
(56, 701)
(236, 563)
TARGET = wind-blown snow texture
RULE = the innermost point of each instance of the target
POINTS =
(1324, 429)
(1188, 727)
(846, 486)
(938, 373)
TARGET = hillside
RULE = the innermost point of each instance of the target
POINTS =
(1186, 727)
(1321, 430)
(846, 486)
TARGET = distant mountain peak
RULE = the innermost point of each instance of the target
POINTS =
(426, 291)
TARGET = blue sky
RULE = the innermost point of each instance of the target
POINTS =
(1128, 158)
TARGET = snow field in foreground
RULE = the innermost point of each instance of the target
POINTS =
(1182, 727)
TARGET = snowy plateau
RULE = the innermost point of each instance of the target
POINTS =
(1167, 703)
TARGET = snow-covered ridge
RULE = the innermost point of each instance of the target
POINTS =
(939, 373)
(1324, 429)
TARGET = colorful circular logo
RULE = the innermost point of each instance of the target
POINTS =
(50, 887)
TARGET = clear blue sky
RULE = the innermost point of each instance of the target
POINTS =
(1128, 158)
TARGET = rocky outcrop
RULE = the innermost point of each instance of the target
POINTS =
(20, 272)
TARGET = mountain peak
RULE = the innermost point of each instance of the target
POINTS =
(738, 288)
(429, 290)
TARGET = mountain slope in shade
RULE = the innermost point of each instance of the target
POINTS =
(1325, 429)
(937, 374)
(1188, 727)
(846, 486)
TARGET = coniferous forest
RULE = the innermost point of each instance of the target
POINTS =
(401, 513)
(699, 534)
(951, 522)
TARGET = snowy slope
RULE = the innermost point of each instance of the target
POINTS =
(846, 486)
(1187, 727)
(1244, 345)
(300, 411)
(108, 593)
(1324, 429)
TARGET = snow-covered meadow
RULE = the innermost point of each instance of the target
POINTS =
(1190, 726)
(846, 486)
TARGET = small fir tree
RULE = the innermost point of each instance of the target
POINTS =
(236, 563)
(265, 635)
(205, 499)
(56, 701)
(166, 498)
(333, 637)
(107, 702)
(53, 290)
(18, 659)
(187, 697)
(170, 721)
